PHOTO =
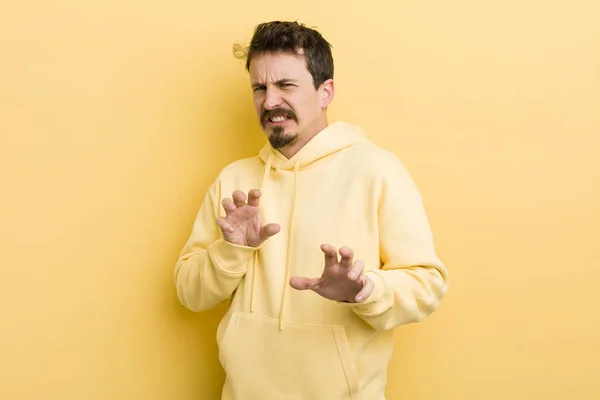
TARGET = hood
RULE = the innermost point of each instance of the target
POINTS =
(332, 139)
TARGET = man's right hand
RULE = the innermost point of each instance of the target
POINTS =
(242, 225)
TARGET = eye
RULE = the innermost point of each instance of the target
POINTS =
(258, 88)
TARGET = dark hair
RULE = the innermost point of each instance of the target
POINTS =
(293, 38)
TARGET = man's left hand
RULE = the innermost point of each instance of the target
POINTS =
(342, 280)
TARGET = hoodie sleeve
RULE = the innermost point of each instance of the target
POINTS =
(209, 268)
(411, 280)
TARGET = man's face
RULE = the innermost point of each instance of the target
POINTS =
(287, 104)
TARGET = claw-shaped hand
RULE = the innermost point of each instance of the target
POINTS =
(342, 280)
(242, 225)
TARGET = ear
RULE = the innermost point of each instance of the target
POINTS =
(326, 92)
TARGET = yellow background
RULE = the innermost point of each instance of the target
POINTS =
(115, 117)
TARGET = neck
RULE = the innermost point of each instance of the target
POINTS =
(303, 138)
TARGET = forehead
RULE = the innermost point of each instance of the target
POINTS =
(276, 66)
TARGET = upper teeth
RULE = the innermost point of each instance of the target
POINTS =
(278, 119)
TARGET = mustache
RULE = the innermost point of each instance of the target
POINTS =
(278, 112)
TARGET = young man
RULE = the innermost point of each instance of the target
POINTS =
(320, 241)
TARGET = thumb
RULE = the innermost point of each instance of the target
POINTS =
(268, 230)
(303, 283)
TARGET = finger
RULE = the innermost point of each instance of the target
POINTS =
(304, 283)
(330, 255)
(356, 270)
(239, 198)
(366, 290)
(228, 205)
(268, 230)
(253, 197)
(224, 225)
(347, 255)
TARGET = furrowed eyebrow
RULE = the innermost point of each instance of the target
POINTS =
(279, 82)
(283, 81)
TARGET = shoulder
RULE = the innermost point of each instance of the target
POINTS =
(241, 168)
(236, 174)
(382, 164)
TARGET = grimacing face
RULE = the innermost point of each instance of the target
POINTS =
(288, 106)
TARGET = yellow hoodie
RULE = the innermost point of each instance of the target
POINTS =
(276, 342)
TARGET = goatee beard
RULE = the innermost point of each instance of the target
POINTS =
(278, 138)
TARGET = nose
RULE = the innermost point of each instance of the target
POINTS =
(272, 99)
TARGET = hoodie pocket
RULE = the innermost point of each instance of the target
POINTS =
(298, 362)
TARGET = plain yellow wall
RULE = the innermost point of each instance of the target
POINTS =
(115, 117)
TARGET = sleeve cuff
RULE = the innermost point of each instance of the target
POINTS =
(377, 295)
(378, 291)
(230, 258)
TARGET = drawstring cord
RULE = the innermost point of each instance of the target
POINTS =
(290, 238)
(254, 262)
(255, 255)
(289, 249)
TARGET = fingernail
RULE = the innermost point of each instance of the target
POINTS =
(359, 298)
(352, 276)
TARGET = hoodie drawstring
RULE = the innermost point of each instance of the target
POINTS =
(288, 266)
(255, 255)
(334, 138)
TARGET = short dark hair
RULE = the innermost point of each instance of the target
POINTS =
(293, 38)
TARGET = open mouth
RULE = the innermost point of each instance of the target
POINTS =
(278, 117)
(278, 120)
